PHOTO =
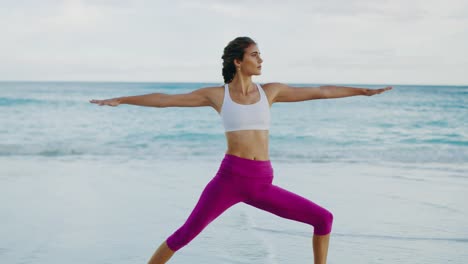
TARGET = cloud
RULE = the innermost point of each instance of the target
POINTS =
(102, 39)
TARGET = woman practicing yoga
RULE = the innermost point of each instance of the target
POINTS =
(245, 174)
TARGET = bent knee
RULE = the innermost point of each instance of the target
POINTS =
(183, 236)
(324, 225)
(329, 217)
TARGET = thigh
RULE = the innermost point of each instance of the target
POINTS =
(217, 197)
(286, 204)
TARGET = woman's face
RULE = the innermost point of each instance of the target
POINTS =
(251, 63)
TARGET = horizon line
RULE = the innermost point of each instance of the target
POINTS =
(217, 82)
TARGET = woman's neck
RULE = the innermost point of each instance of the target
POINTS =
(242, 84)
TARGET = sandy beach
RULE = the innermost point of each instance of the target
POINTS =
(117, 211)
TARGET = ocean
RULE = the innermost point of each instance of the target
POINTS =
(82, 183)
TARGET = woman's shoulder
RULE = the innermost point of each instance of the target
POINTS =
(214, 88)
(273, 85)
(215, 94)
(272, 89)
(210, 90)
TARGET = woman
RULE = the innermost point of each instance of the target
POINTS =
(245, 174)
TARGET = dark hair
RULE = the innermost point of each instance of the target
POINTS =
(234, 50)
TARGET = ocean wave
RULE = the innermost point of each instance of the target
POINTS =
(368, 236)
(201, 149)
(19, 101)
(432, 141)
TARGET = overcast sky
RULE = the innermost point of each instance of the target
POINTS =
(307, 41)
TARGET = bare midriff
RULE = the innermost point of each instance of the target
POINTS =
(248, 144)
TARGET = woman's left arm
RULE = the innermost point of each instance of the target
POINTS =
(281, 92)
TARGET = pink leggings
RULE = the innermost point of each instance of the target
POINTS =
(249, 181)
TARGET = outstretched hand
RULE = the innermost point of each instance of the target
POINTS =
(109, 102)
(370, 92)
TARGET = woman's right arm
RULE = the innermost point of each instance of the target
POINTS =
(200, 97)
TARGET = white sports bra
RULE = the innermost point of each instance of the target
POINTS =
(245, 117)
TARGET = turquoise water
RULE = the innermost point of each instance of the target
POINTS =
(408, 124)
(81, 183)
